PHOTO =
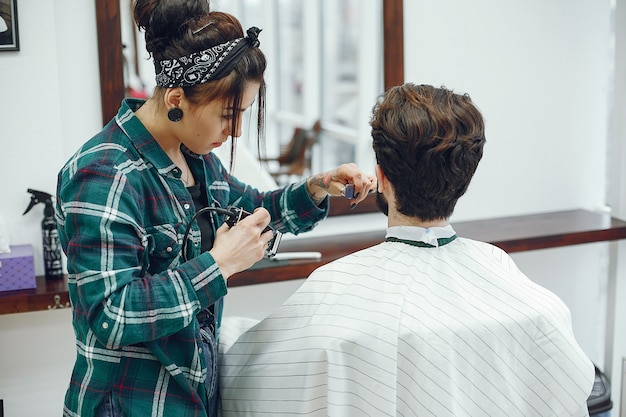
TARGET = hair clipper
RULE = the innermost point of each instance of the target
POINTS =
(235, 214)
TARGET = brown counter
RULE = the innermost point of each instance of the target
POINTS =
(513, 234)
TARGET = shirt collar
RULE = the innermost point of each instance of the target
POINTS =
(431, 236)
(139, 136)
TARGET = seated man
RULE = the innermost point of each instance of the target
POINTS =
(425, 323)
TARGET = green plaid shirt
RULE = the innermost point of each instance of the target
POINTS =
(122, 211)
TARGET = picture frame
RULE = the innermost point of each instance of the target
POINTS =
(9, 35)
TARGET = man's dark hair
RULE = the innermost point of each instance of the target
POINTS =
(428, 142)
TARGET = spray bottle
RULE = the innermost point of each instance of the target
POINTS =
(51, 244)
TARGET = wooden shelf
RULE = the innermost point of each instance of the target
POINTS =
(40, 298)
(513, 234)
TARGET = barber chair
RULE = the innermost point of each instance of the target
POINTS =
(599, 402)
(295, 157)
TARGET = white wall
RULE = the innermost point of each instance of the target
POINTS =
(50, 104)
(538, 71)
(37, 355)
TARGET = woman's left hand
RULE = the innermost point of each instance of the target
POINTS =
(334, 182)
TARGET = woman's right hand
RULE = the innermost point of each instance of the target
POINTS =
(237, 248)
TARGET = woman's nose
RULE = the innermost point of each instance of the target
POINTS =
(237, 131)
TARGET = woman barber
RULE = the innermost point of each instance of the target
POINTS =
(146, 317)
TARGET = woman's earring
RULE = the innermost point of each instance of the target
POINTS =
(175, 114)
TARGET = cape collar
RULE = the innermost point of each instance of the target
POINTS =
(431, 237)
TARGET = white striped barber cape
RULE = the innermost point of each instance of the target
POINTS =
(401, 330)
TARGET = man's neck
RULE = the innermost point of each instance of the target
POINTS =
(397, 219)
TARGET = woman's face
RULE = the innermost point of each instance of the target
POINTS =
(209, 126)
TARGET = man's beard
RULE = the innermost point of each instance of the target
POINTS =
(382, 203)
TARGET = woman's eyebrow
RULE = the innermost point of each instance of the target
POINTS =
(240, 109)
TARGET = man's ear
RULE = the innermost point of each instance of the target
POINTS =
(382, 180)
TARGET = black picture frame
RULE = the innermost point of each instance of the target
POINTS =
(9, 35)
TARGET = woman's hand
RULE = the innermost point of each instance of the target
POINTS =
(237, 248)
(334, 182)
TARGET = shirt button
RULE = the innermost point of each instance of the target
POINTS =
(200, 350)
(168, 249)
(187, 206)
(105, 325)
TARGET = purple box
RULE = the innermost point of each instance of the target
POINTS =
(17, 268)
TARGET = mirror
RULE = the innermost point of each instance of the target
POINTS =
(108, 19)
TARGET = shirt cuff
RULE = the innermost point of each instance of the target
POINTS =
(206, 278)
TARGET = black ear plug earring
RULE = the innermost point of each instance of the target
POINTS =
(175, 114)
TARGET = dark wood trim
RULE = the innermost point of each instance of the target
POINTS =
(513, 234)
(110, 57)
(393, 42)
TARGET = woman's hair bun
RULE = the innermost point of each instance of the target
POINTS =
(165, 20)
